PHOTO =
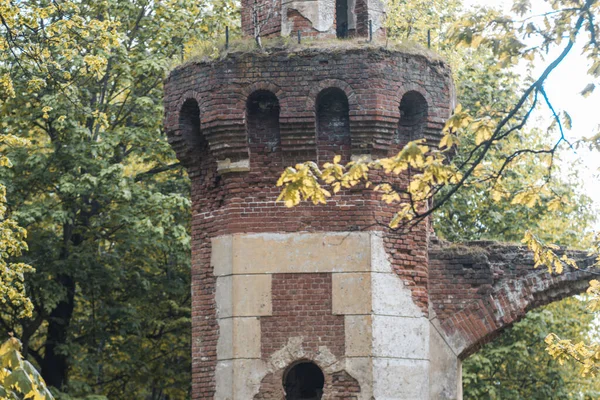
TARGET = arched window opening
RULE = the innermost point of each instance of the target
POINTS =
(304, 381)
(262, 122)
(189, 124)
(333, 124)
(198, 154)
(341, 19)
(413, 116)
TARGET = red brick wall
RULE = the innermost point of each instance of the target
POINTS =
(362, 18)
(344, 386)
(481, 288)
(207, 195)
(300, 23)
(302, 307)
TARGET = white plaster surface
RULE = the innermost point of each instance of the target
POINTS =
(224, 380)
(351, 20)
(321, 13)
(400, 379)
(400, 337)
(445, 373)
(376, 13)
(392, 297)
(379, 258)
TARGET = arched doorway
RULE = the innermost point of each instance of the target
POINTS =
(304, 381)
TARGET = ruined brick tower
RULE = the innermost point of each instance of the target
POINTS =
(324, 301)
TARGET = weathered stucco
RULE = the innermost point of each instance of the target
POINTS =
(385, 332)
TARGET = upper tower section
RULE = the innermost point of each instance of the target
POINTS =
(322, 18)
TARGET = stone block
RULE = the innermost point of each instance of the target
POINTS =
(224, 296)
(351, 293)
(246, 337)
(301, 252)
(221, 257)
(224, 380)
(250, 373)
(251, 295)
(358, 335)
(225, 341)
(361, 368)
(445, 372)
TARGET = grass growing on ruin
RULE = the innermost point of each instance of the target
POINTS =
(209, 51)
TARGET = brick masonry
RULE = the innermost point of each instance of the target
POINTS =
(267, 110)
(478, 289)
(302, 306)
(235, 124)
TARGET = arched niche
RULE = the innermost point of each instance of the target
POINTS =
(413, 116)
(304, 381)
(333, 124)
(262, 123)
(189, 125)
(201, 162)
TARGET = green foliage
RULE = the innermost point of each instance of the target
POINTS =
(105, 203)
(12, 244)
(533, 193)
(18, 378)
(516, 365)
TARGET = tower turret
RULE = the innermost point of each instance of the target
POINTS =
(313, 18)
(316, 301)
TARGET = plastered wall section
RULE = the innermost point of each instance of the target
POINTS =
(321, 14)
(387, 337)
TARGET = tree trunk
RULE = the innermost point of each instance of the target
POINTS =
(54, 365)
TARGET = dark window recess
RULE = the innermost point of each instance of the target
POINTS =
(341, 19)
(333, 125)
(189, 124)
(262, 122)
(304, 381)
(413, 116)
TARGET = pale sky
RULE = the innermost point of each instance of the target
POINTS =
(563, 88)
